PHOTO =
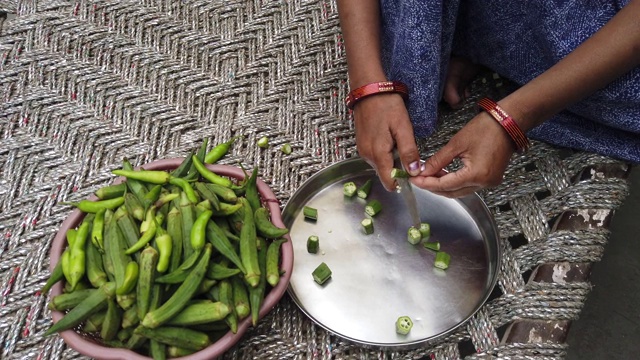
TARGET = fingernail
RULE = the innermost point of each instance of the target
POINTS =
(423, 166)
(414, 168)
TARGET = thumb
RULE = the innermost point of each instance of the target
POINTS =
(408, 152)
(441, 159)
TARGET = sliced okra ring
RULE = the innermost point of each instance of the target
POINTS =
(322, 273)
(313, 244)
(365, 189)
(350, 188)
(367, 226)
(310, 213)
(373, 208)
(413, 235)
(442, 260)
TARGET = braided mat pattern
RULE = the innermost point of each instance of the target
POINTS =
(85, 83)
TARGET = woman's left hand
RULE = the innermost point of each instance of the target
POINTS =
(484, 148)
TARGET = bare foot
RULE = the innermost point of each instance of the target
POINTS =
(456, 87)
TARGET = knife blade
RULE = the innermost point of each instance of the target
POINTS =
(405, 189)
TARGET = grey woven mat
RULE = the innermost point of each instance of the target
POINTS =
(84, 84)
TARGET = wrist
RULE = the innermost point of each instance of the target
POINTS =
(376, 89)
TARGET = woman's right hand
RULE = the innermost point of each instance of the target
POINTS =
(382, 125)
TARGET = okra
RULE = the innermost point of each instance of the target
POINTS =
(70, 300)
(413, 235)
(124, 334)
(158, 350)
(225, 295)
(176, 336)
(127, 226)
(256, 294)
(224, 193)
(130, 317)
(431, 245)
(114, 248)
(349, 188)
(205, 286)
(135, 186)
(187, 211)
(176, 352)
(286, 149)
(221, 243)
(240, 297)
(181, 296)
(273, 258)
(373, 207)
(203, 312)
(442, 260)
(207, 194)
(94, 267)
(367, 226)
(183, 169)
(111, 191)
(251, 193)
(310, 213)
(64, 264)
(248, 250)
(134, 206)
(94, 322)
(91, 304)
(112, 321)
(216, 271)
(146, 279)
(265, 227)
(398, 173)
(174, 230)
(263, 142)
(404, 325)
(55, 276)
(126, 301)
(322, 273)
(313, 244)
(200, 155)
(177, 276)
(365, 189)
(425, 230)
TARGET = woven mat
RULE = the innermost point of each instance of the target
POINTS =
(84, 84)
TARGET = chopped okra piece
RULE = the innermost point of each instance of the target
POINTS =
(431, 245)
(373, 208)
(403, 325)
(413, 235)
(365, 189)
(367, 226)
(286, 148)
(399, 173)
(442, 260)
(313, 244)
(425, 230)
(350, 188)
(322, 273)
(310, 213)
(263, 142)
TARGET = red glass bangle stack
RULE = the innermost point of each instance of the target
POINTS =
(518, 137)
(376, 88)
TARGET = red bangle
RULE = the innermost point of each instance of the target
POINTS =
(518, 137)
(376, 88)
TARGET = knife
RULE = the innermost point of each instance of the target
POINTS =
(405, 189)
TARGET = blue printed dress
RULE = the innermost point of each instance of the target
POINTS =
(519, 40)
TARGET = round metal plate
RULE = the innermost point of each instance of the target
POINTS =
(379, 277)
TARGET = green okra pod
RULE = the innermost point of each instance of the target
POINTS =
(216, 271)
(181, 296)
(134, 206)
(146, 279)
(273, 259)
(97, 230)
(265, 227)
(202, 312)
(91, 304)
(130, 317)
(188, 213)
(251, 193)
(240, 297)
(94, 322)
(112, 321)
(70, 300)
(111, 191)
(185, 165)
(207, 194)
(256, 294)
(224, 193)
(248, 249)
(94, 267)
(174, 230)
(176, 336)
(221, 243)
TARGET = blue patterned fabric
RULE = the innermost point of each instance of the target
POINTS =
(519, 40)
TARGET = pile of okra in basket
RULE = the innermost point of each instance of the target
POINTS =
(167, 262)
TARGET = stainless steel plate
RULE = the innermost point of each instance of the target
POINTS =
(379, 277)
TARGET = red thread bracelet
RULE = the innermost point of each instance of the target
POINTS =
(376, 88)
(501, 116)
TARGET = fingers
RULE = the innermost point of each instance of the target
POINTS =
(408, 150)
(449, 183)
(440, 160)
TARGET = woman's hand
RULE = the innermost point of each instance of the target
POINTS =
(483, 147)
(382, 125)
